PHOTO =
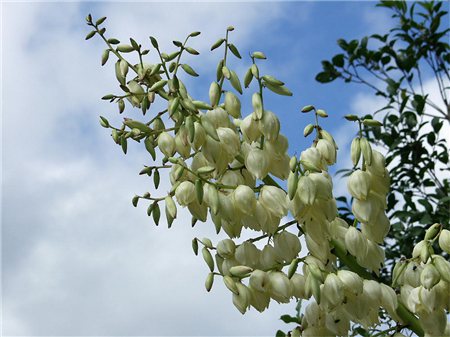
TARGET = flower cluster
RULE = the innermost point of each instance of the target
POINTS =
(223, 166)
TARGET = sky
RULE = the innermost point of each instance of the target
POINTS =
(77, 258)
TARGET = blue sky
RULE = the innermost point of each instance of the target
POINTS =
(77, 258)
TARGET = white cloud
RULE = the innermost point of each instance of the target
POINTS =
(77, 258)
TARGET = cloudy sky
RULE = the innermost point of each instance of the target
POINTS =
(77, 258)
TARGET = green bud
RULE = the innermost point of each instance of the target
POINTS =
(308, 130)
(209, 282)
(188, 69)
(240, 271)
(90, 35)
(248, 77)
(104, 122)
(272, 80)
(307, 108)
(105, 56)
(321, 113)
(292, 268)
(214, 93)
(124, 48)
(217, 44)
(433, 231)
(158, 85)
(226, 72)
(372, 122)
(135, 200)
(208, 258)
(199, 190)
(195, 246)
(351, 118)
(259, 55)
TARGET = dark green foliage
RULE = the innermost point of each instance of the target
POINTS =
(394, 65)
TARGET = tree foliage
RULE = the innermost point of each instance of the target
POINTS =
(400, 66)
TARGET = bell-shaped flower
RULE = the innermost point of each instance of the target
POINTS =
(257, 163)
(280, 287)
(259, 280)
(247, 254)
(250, 129)
(311, 159)
(352, 282)
(355, 242)
(327, 150)
(269, 125)
(287, 245)
(185, 193)
(332, 291)
(241, 300)
(166, 144)
(358, 184)
(244, 199)
(306, 190)
(229, 140)
(274, 200)
(298, 286)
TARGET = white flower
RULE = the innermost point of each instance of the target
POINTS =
(358, 184)
(185, 193)
(257, 163)
(166, 144)
(274, 200)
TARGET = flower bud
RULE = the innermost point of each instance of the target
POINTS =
(323, 183)
(421, 249)
(257, 163)
(166, 144)
(373, 291)
(280, 287)
(429, 276)
(358, 184)
(431, 232)
(226, 248)
(268, 257)
(355, 242)
(232, 105)
(240, 271)
(244, 199)
(355, 151)
(444, 240)
(366, 150)
(214, 93)
(292, 184)
(269, 125)
(185, 193)
(306, 190)
(327, 150)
